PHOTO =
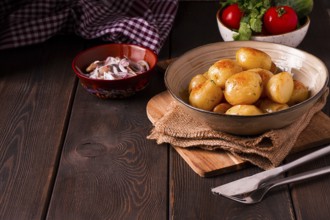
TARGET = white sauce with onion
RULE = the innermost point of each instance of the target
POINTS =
(116, 68)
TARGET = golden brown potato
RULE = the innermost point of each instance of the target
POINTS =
(265, 76)
(250, 58)
(222, 108)
(251, 84)
(244, 110)
(206, 96)
(205, 75)
(196, 81)
(268, 106)
(280, 87)
(300, 93)
(221, 70)
(243, 88)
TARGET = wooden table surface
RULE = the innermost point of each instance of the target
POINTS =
(65, 154)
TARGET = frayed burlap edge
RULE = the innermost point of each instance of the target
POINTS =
(266, 151)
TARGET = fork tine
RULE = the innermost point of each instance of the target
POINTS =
(252, 197)
(239, 198)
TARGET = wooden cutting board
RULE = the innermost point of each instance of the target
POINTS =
(211, 163)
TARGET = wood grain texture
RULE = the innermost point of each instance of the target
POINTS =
(311, 197)
(35, 93)
(195, 25)
(109, 170)
(191, 196)
(96, 163)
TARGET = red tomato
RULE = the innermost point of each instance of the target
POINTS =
(280, 19)
(231, 16)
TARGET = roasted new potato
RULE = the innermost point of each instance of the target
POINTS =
(300, 93)
(268, 106)
(244, 110)
(196, 81)
(250, 58)
(250, 85)
(280, 87)
(243, 88)
(221, 70)
(222, 107)
(206, 96)
(265, 76)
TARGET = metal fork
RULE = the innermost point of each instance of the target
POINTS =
(257, 195)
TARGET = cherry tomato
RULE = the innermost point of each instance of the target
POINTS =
(280, 19)
(231, 16)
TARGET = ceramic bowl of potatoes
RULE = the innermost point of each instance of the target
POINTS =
(246, 87)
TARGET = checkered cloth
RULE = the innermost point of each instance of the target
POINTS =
(142, 22)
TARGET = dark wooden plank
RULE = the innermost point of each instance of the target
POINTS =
(109, 170)
(311, 197)
(36, 85)
(191, 196)
(164, 52)
(195, 25)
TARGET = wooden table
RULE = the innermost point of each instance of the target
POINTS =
(65, 154)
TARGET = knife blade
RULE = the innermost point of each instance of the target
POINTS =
(247, 184)
(250, 183)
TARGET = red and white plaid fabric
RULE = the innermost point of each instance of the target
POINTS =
(142, 22)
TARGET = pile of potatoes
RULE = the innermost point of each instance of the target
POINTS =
(249, 85)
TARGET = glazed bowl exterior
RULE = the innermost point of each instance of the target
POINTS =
(292, 39)
(306, 68)
(119, 88)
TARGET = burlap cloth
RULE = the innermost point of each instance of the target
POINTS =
(266, 151)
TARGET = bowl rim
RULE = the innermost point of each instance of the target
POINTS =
(306, 24)
(80, 73)
(264, 115)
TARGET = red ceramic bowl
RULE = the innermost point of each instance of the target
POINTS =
(119, 88)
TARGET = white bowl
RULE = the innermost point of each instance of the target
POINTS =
(306, 68)
(292, 39)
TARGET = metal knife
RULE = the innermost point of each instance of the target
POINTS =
(250, 183)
